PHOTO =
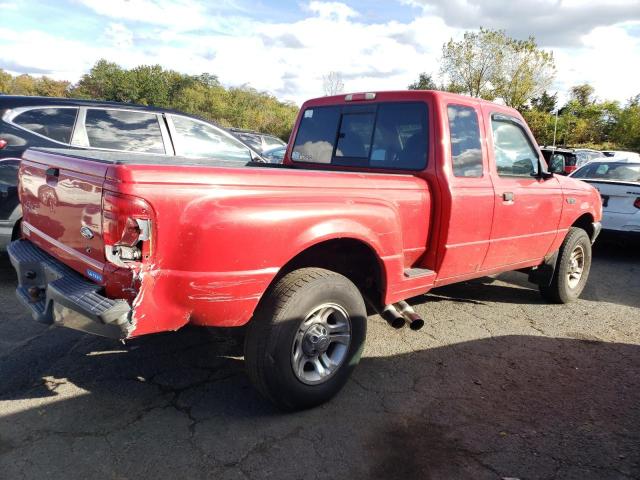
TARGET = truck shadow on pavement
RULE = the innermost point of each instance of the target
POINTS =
(613, 278)
(179, 406)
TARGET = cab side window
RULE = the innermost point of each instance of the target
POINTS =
(513, 152)
(466, 150)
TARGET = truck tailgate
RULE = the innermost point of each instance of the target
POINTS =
(62, 208)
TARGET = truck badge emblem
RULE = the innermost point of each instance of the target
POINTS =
(86, 233)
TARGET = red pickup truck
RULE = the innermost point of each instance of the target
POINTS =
(381, 197)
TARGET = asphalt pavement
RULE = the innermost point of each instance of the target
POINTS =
(497, 384)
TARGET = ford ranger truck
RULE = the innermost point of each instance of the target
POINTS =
(381, 197)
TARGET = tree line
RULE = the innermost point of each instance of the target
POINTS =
(489, 64)
(201, 95)
(485, 63)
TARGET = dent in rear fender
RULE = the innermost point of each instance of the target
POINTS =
(169, 299)
(154, 308)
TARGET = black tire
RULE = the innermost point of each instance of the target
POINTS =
(269, 342)
(16, 233)
(560, 289)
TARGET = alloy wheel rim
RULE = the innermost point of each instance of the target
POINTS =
(321, 344)
(576, 267)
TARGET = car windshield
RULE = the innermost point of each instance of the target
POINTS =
(622, 172)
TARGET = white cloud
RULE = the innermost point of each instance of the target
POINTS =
(175, 14)
(607, 61)
(332, 10)
(289, 59)
(119, 35)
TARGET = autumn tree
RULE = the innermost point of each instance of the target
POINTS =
(474, 63)
(332, 83)
(425, 82)
(582, 94)
(545, 102)
(524, 72)
(5, 81)
(626, 132)
(490, 64)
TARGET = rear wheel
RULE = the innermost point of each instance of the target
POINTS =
(572, 269)
(306, 338)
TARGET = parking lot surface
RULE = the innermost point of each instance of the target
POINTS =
(498, 384)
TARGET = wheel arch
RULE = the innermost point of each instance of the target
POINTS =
(585, 222)
(352, 257)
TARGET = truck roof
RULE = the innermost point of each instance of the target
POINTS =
(401, 95)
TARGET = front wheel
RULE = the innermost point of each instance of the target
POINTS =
(572, 269)
(306, 338)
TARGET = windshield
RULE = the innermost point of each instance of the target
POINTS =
(622, 172)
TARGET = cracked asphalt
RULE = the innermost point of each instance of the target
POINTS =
(497, 385)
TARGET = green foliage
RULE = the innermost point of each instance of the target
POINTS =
(586, 122)
(201, 95)
(524, 73)
(545, 102)
(489, 64)
(626, 131)
(424, 82)
(28, 85)
(582, 94)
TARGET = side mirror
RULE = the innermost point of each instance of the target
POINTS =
(557, 164)
(257, 158)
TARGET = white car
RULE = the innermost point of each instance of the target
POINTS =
(621, 156)
(619, 187)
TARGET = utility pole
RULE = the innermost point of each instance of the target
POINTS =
(555, 129)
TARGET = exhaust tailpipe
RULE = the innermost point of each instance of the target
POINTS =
(412, 318)
(393, 317)
(390, 313)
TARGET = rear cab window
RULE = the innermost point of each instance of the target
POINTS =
(390, 136)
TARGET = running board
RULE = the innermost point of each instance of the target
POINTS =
(417, 272)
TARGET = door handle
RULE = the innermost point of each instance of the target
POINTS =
(508, 196)
(52, 172)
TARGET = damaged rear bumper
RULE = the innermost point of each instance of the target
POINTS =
(56, 294)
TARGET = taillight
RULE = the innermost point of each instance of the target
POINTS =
(3, 143)
(126, 228)
(637, 203)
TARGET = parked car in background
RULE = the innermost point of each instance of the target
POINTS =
(619, 186)
(84, 124)
(619, 156)
(275, 155)
(586, 155)
(564, 158)
(571, 158)
(256, 140)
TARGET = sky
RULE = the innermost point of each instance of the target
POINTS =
(285, 47)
